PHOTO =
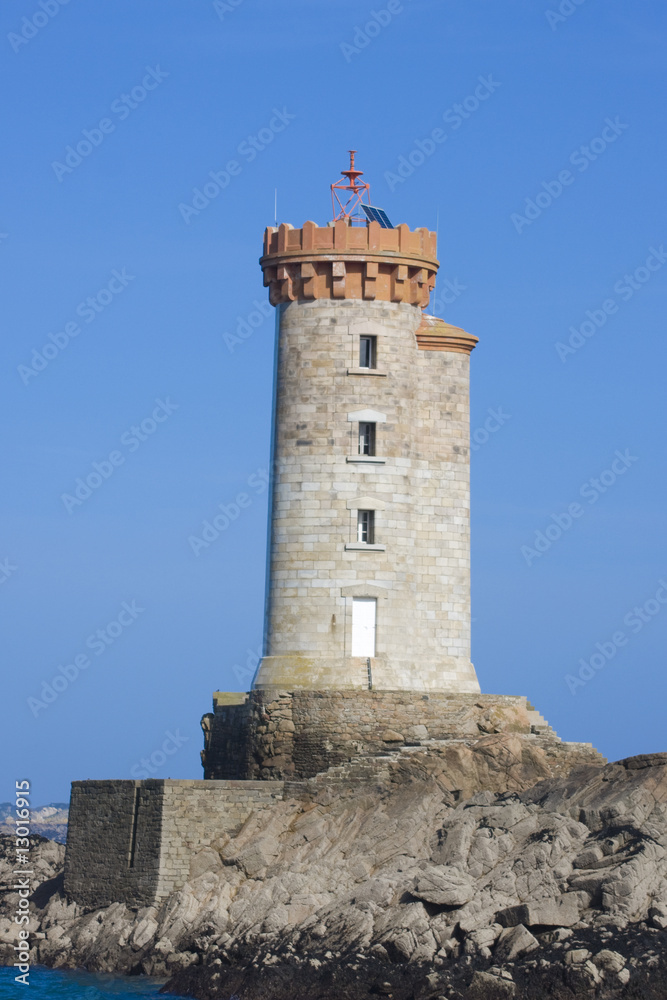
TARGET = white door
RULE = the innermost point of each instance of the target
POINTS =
(363, 626)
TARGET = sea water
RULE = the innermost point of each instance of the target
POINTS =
(57, 984)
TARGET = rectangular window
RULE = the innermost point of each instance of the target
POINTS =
(366, 526)
(367, 352)
(366, 438)
(363, 626)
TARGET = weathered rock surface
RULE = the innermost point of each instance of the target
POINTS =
(547, 883)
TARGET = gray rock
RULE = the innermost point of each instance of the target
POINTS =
(485, 938)
(514, 941)
(406, 934)
(485, 986)
(444, 886)
(206, 860)
(591, 971)
(561, 912)
(576, 956)
(609, 961)
(658, 916)
(144, 932)
(588, 857)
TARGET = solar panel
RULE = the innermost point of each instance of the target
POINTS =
(377, 215)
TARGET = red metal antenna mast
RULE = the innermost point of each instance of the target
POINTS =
(348, 206)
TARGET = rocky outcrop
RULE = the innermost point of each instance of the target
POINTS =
(400, 877)
(47, 858)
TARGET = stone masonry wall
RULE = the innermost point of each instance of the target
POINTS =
(296, 734)
(113, 841)
(417, 483)
(227, 749)
(195, 813)
(133, 841)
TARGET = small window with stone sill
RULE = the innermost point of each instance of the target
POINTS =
(366, 438)
(368, 352)
(366, 527)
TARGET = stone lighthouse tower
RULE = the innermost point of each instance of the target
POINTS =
(368, 592)
(369, 550)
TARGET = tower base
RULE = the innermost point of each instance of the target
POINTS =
(447, 675)
(294, 734)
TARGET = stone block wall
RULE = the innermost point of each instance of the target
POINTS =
(296, 734)
(113, 842)
(133, 841)
(195, 813)
(227, 739)
(418, 568)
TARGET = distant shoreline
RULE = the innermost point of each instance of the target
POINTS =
(48, 821)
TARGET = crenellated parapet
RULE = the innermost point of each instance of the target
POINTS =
(341, 261)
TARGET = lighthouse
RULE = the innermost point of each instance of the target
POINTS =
(368, 579)
(368, 585)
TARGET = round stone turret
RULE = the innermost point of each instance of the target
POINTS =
(369, 557)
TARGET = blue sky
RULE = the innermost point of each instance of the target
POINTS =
(548, 184)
